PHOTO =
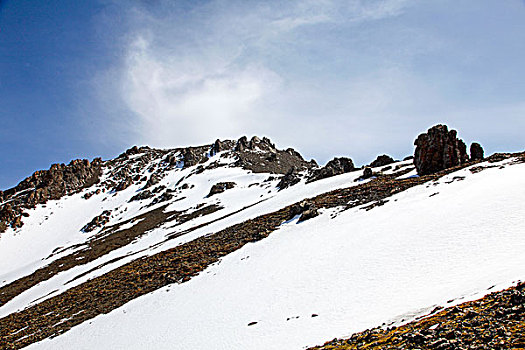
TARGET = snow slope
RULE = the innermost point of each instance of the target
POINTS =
(58, 223)
(435, 244)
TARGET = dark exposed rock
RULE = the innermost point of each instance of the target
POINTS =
(476, 151)
(171, 159)
(254, 144)
(334, 167)
(219, 146)
(91, 193)
(141, 196)
(382, 161)
(438, 149)
(260, 155)
(132, 151)
(306, 209)
(242, 144)
(153, 180)
(190, 158)
(98, 221)
(166, 196)
(221, 187)
(367, 173)
(289, 179)
(159, 189)
(308, 214)
(128, 181)
(408, 158)
(44, 185)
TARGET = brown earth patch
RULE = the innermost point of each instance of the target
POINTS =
(496, 321)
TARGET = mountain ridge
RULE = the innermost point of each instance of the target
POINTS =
(157, 218)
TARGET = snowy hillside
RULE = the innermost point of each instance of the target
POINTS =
(216, 255)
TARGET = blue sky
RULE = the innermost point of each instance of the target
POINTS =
(80, 79)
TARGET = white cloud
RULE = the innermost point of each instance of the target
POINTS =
(181, 102)
(211, 72)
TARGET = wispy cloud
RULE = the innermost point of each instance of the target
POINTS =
(216, 70)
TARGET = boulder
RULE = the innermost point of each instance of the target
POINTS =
(334, 167)
(153, 180)
(367, 173)
(382, 161)
(128, 181)
(306, 209)
(221, 187)
(476, 151)
(438, 149)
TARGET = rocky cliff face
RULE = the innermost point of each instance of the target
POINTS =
(438, 149)
(46, 185)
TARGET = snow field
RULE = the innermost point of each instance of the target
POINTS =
(428, 245)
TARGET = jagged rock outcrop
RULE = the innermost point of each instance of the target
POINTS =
(438, 149)
(382, 160)
(219, 146)
(46, 185)
(334, 167)
(261, 156)
(193, 157)
(476, 151)
(221, 187)
(289, 179)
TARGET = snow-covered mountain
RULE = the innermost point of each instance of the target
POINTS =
(240, 245)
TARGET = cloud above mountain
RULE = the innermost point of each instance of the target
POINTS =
(325, 76)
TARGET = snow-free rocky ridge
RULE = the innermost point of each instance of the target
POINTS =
(241, 245)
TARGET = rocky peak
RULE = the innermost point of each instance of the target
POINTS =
(438, 149)
(476, 151)
(261, 155)
(219, 146)
(46, 185)
(254, 144)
